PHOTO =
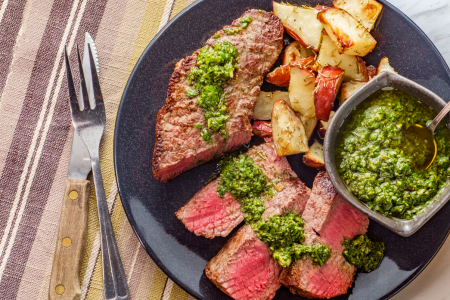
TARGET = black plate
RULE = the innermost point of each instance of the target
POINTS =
(150, 205)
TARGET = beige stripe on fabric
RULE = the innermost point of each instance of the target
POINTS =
(11, 101)
(167, 289)
(42, 252)
(112, 76)
(12, 227)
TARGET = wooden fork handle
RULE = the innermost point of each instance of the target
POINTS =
(65, 278)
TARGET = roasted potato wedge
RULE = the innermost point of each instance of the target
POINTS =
(347, 33)
(288, 131)
(327, 85)
(301, 90)
(366, 12)
(309, 123)
(384, 66)
(301, 23)
(314, 157)
(348, 89)
(354, 67)
(296, 51)
(323, 125)
(264, 105)
(262, 129)
(280, 76)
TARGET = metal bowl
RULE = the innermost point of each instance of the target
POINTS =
(386, 79)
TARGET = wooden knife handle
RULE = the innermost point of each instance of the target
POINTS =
(65, 279)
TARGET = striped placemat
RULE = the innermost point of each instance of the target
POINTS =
(36, 137)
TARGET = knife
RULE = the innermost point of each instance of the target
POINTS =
(71, 240)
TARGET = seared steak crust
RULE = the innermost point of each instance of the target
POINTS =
(209, 215)
(179, 146)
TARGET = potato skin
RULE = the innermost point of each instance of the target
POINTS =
(280, 76)
(327, 85)
(310, 162)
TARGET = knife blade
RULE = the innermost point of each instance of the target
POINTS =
(71, 240)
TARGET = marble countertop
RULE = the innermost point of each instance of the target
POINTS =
(432, 16)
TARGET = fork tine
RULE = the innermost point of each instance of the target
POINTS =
(95, 83)
(72, 94)
(83, 83)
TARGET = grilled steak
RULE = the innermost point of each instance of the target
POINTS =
(328, 219)
(179, 146)
(244, 268)
(209, 215)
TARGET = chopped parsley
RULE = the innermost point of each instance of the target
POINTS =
(363, 253)
(215, 66)
(191, 93)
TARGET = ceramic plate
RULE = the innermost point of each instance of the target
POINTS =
(150, 205)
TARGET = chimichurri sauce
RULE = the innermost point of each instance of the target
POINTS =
(241, 177)
(215, 66)
(363, 253)
(381, 161)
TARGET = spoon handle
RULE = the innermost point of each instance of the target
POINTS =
(432, 126)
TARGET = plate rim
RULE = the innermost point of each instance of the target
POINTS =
(119, 114)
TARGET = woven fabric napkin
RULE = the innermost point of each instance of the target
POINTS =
(36, 137)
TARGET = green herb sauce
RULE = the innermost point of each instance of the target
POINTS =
(241, 177)
(245, 21)
(215, 66)
(381, 161)
(363, 253)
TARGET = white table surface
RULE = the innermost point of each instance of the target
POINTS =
(433, 16)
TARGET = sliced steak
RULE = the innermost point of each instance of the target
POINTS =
(244, 268)
(209, 215)
(179, 146)
(328, 214)
(292, 195)
(328, 219)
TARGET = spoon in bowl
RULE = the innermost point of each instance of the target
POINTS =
(427, 133)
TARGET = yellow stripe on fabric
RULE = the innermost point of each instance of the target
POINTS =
(178, 293)
(159, 281)
(178, 6)
(148, 30)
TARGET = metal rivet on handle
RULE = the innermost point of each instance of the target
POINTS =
(60, 289)
(66, 242)
(73, 195)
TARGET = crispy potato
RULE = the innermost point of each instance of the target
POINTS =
(301, 90)
(366, 12)
(288, 131)
(314, 157)
(384, 66)
(280, 76)
(262, 129)
(301, 23)
(327, 84)
(323, 125)
(296, 51)
(348, 89)
(264, 105)
(354, 67)
(346, 32)
(309, 123)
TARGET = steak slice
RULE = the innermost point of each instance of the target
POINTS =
(329, 215)
(209, 215)
(179, 146)
(244, 268)
(328, 219)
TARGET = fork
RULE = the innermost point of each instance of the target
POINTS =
(89, 124)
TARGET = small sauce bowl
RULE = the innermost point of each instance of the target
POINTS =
(384, 80)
